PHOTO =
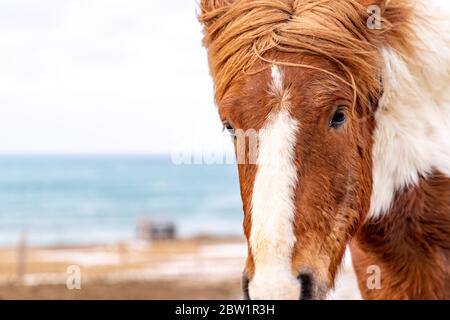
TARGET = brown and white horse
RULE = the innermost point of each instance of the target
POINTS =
(353, 128)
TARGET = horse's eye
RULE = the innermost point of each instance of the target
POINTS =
(229, 127)
(338, 119)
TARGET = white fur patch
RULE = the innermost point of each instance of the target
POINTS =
(277, 86)
(272, 235)
(412, 137)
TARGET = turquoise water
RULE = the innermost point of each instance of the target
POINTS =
(75, 200)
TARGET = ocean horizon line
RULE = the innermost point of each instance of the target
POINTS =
(68, 198)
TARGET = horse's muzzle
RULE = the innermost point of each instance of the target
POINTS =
(310, 288)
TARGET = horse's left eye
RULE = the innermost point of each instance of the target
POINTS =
(229, 127)
(338, 119)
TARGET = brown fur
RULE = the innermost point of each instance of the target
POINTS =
(238, 33)
(340, 197)
(329, 58)
(411, 244)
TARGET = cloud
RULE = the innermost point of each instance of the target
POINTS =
(103, 76)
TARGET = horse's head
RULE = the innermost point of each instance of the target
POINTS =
(302, 78)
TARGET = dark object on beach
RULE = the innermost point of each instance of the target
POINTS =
(156, 230)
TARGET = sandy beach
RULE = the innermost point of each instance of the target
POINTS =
(196, 268)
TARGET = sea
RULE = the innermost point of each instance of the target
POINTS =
(72, 200)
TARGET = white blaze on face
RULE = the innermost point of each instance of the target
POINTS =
(277, 81)
(272, 231)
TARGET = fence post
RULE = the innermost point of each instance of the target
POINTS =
(22, 255)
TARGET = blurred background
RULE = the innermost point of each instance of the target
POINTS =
(113, 174)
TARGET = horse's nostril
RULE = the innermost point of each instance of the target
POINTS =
(245, 287)
(307, 286)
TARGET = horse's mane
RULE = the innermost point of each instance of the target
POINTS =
(239, 33)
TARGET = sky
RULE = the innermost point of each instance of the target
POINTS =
(104, 77)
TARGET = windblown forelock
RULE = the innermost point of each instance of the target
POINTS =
(242, 32)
